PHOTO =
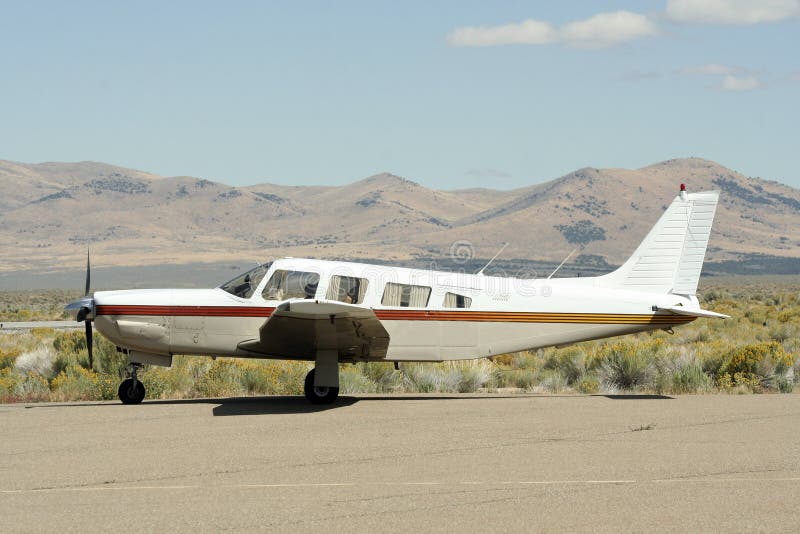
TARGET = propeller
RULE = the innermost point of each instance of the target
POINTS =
(83, 309)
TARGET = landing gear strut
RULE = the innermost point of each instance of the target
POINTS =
(319, 394)
(131, 391)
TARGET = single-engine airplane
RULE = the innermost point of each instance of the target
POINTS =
(331, 312)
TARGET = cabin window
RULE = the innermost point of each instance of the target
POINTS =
(347, 289)
(285, 285)
(454, 300)
(246, 283)
(406, 296)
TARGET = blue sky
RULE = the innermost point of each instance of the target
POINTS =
(450, 94)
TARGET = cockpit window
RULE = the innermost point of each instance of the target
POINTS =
(245, 284)
(285, 285)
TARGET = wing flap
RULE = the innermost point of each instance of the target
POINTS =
(298, 328)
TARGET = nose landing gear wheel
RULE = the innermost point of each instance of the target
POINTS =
(319, 394)
(131, 391)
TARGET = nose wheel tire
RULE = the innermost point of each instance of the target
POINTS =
(319, 394)
(131, 391)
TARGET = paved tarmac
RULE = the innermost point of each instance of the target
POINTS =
(405, 464)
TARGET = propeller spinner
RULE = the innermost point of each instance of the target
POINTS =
(83, 309)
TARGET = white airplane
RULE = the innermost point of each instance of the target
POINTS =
(331, 312)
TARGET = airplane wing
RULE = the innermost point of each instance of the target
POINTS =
(680, 310)
(297, 328)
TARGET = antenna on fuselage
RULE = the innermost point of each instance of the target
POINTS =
(480, 273)
(562, 263)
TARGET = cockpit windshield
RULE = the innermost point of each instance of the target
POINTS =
(245, 284)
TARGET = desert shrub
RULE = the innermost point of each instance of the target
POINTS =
(689, 377)
(526, 360)
(157, 382)
(16, 386)
(428, 378)
(272, 377)
(383, 375)
(472, 374)
(194, 367)
(7, 358)
(680, 370)
(713, 356)
(627, 365)
(785, 385)
(569, 362)
(525, 378)
(588, 384)
(458, 376)
(698, 334)
(230, 377)
(221, 380)
(552, 380)
(32, 387)
(107, 359)
(65, 360)
(763, 362)
(38, 361)
(739, 383)
(74, 341)
(506, 360)
(42, 332)
(78, 383)
(352, 380)
(784, 332)
(8, 382)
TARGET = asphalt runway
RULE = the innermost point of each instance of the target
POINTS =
(478, 463)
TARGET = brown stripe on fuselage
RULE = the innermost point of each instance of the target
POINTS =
(409, 315)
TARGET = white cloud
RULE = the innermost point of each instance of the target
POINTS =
(739, 83)
(600, 31)
(732, 11)
(710, 68)
(527, 32)
(794, 76)
(608, 29)
(729, 78)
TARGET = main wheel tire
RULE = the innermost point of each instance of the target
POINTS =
(319, 394)
(130, 393)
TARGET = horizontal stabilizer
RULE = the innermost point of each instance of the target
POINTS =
(680, 310)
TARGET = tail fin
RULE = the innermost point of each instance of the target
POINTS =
(670, 258)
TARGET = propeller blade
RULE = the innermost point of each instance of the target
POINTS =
(88, 273)
(89, 343)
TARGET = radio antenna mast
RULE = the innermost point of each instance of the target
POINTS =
(562, 263)
(480, 273)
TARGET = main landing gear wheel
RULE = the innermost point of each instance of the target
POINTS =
(131, 391)
(319, 394)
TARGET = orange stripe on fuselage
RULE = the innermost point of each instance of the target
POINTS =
(408, 315)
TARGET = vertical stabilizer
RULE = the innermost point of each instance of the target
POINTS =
(670, 258)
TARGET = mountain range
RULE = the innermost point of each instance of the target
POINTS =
(50, 211)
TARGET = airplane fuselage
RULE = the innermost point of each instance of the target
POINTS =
(463, 316)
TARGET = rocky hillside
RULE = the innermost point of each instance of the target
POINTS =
(49, 211)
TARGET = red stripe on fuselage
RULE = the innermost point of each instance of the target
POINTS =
(187, 311)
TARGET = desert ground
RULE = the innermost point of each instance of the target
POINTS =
(403, 463)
